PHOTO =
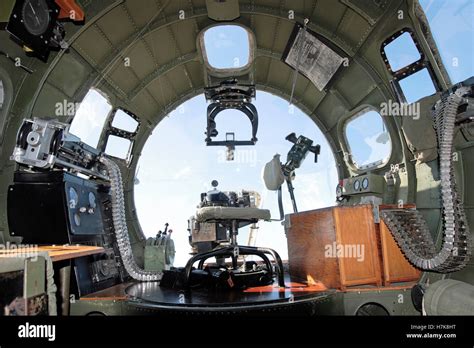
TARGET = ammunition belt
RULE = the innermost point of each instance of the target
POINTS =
(120, 224)
(409, 227)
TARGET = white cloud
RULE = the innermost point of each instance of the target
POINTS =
(379, 151)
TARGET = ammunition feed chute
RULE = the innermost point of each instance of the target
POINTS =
(409, 227)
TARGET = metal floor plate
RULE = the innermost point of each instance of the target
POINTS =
(150, 296)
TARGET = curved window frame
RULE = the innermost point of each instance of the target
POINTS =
(348, 157)
(2, 94)
(111, 131)
(225, 72)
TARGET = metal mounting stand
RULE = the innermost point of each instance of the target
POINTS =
(233, 251)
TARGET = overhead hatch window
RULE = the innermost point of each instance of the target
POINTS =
(368, 141)
(90, 117)
(227, 47)
(124, 121)
(310, 56)
(118, 147)
(402, 52)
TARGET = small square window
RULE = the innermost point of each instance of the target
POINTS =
(118, 147)
(417, 86)
(124, 121)
(402, 52)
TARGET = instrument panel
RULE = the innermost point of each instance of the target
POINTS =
(362, 184)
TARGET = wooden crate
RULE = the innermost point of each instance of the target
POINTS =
(307, 234)
(313, 237)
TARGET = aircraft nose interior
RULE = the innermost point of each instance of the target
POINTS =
(400, 219)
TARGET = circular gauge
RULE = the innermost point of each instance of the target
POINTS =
(77, 219)
(365, 184)
(35, 16)
(73, 198)
(92, 202)
(356, 185)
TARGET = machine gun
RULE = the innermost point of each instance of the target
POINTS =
(47, 145)
(275, 173)
(299, 151)
(295, 158)
(87, 209)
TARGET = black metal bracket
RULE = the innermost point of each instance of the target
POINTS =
(215, 108)
(230, 95)
(242, 250)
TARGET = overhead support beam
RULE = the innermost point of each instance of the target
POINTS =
(163, 70)
(176, 44)
(250, 9)
(253, 9)
(119, 53)
(93, 76)
(183, 60)
(158, 24)
(196, 14)
(164, 22)
(223, 10)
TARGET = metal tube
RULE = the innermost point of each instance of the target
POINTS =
(292, 195)
(120, 225)
(235, 231)
(64, 288)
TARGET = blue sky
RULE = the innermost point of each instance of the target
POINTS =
(176, 166)
(171, 181)
(227, 46)
(452, 25)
